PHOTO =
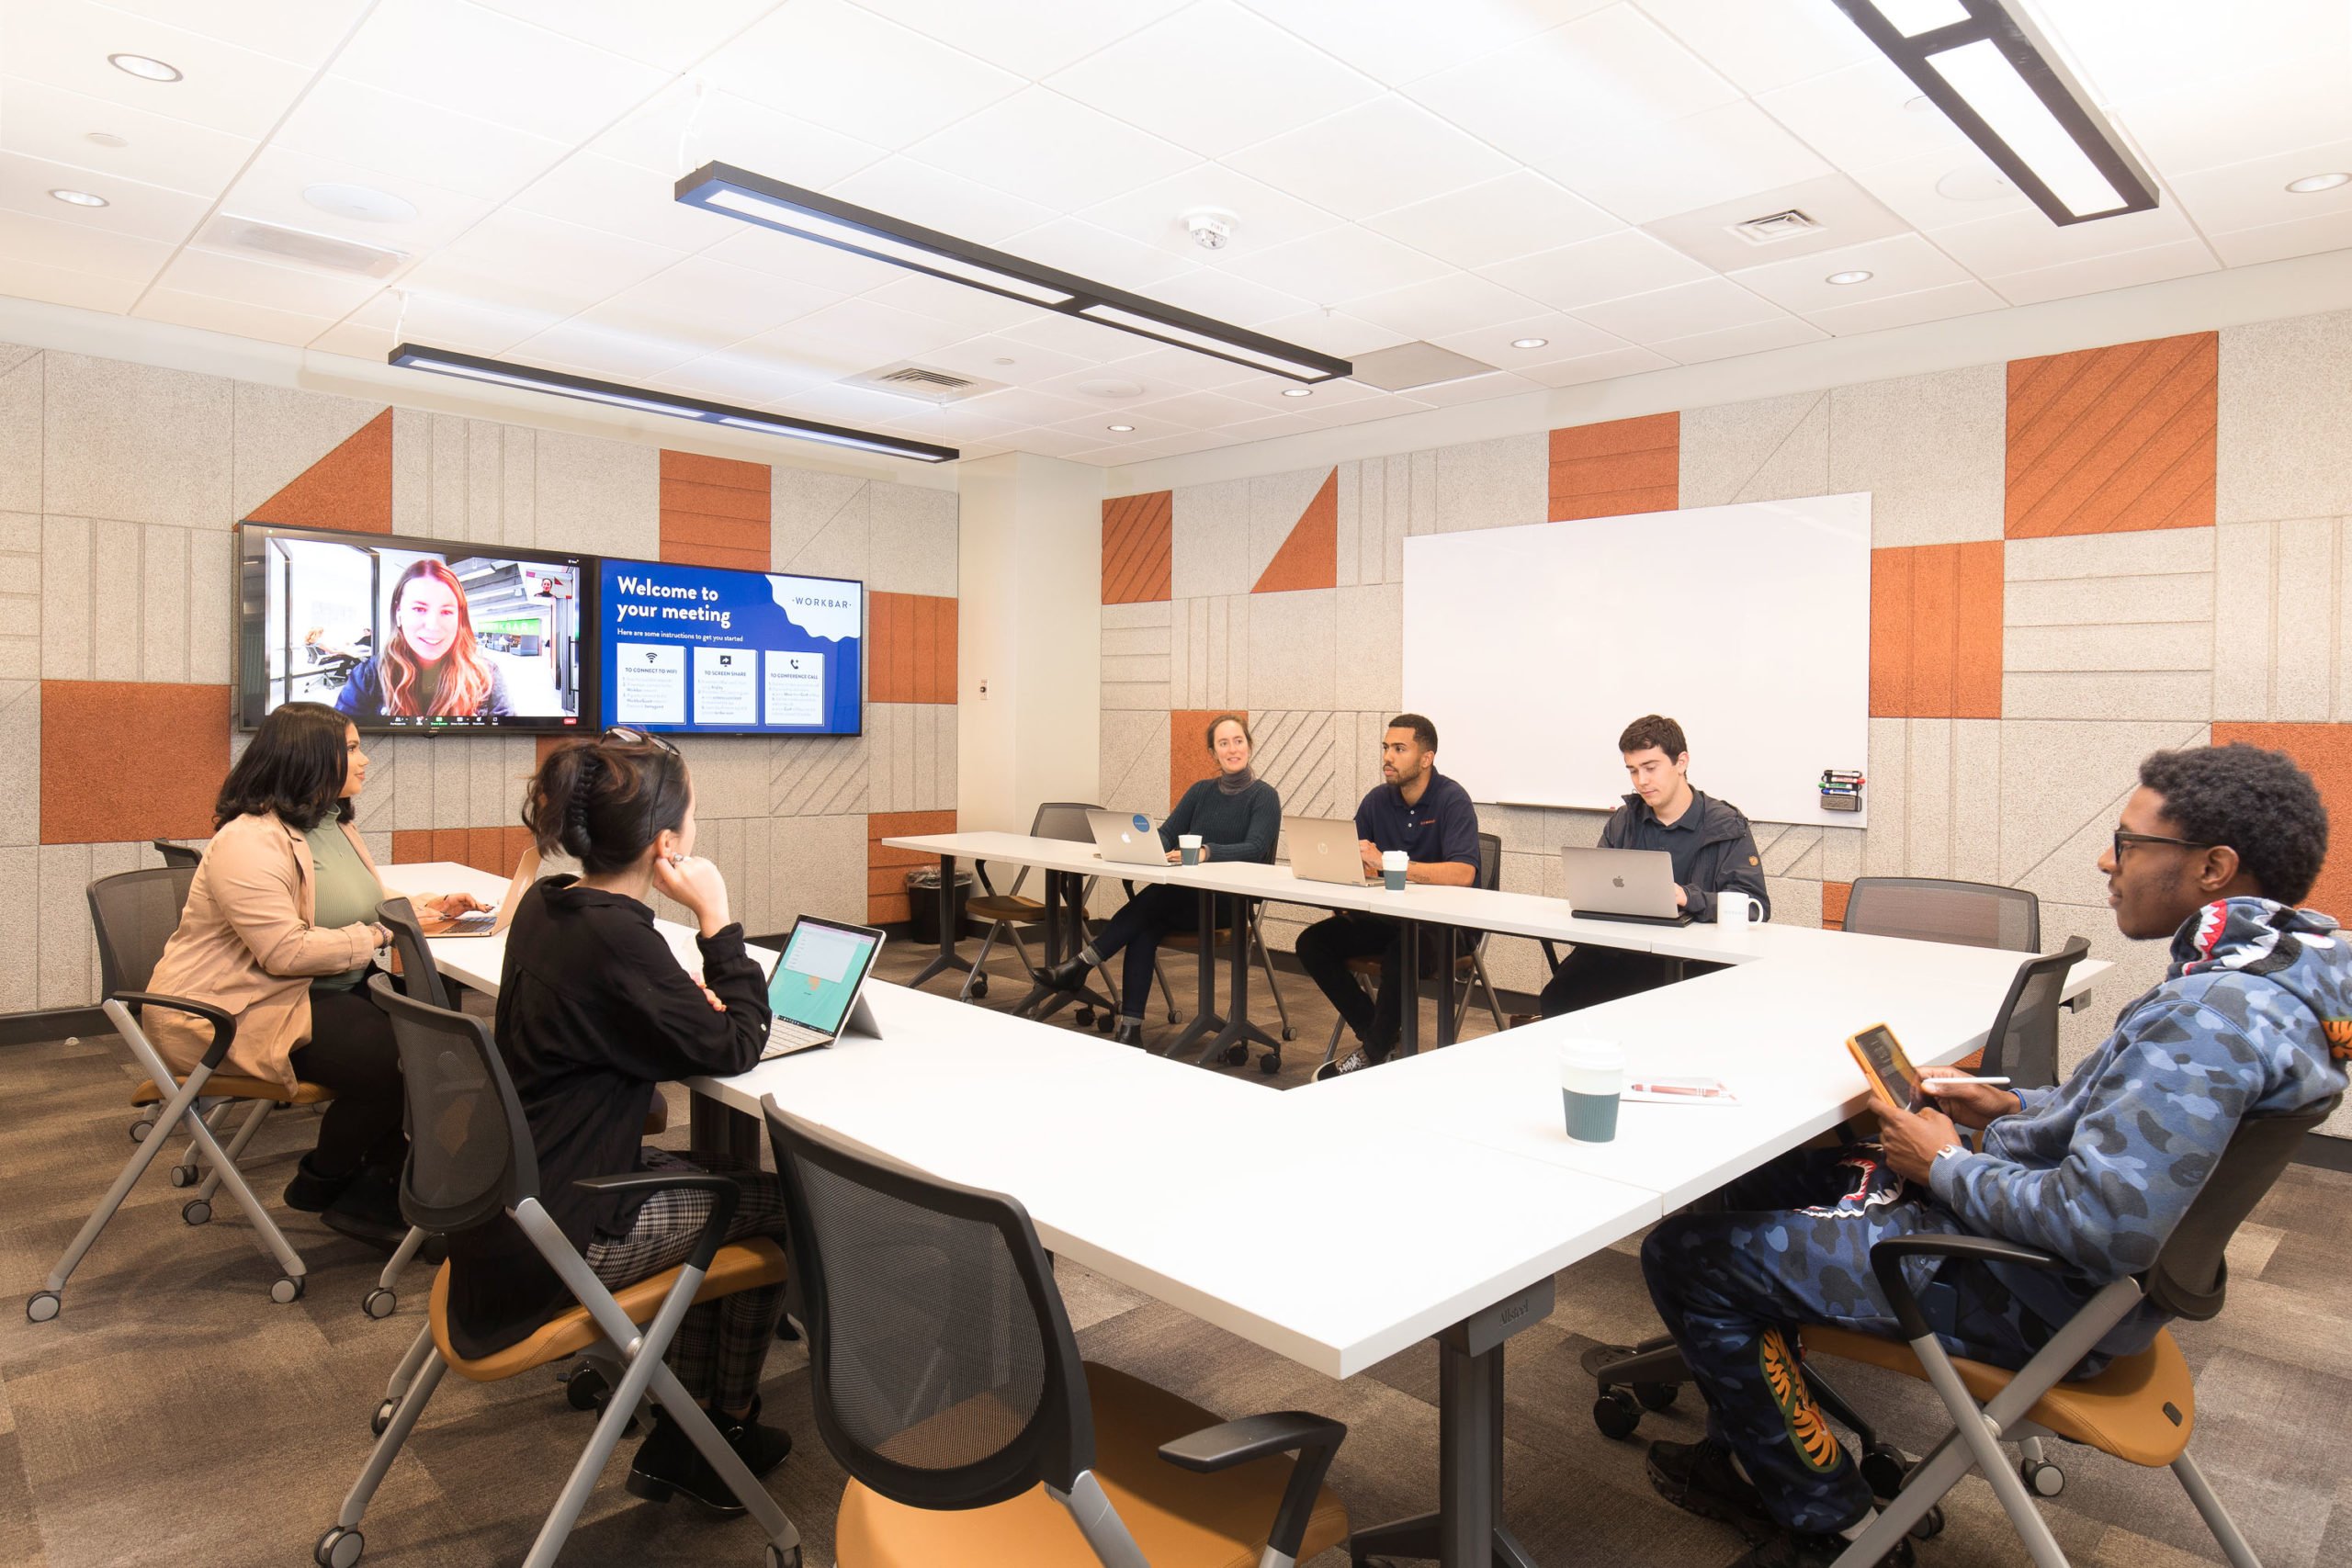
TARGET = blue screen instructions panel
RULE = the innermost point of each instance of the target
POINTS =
(701, 650)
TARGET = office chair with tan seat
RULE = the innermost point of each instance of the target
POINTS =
(470, 1160)
(945, 1379)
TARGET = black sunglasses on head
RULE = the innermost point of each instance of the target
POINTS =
(627, 736)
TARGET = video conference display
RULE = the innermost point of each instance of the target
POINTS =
(705, 651)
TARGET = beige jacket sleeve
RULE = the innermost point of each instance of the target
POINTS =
(259, 893)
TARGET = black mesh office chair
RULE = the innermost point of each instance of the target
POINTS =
(1469, 968)
(1932, 909)
(134, 914)
(945, 1379)
(178, 856)
(2142, 1409)
(469, 1161)
(419, 977)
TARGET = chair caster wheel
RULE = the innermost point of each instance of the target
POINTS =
(1655, 1396)
(2041, 1478)
(980, 985)
(183, 1176)
(783, 1556)
(286, 1292)
(1269, 1064)
(1931, 1524)
(1883, 1468)
(1617, 1413)
(196, 1211)
(1103, 1022)
(381, 1303)
(1235, 1055)
(43, 1305)
(339, 1548)
(586, 1388)
(139, 1129)
(383, 1417)
(1085, 1017)
(1289, 1034)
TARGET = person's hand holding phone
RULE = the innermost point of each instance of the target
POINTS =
(1912, 1139)
(1966, 1101)
(696, 883)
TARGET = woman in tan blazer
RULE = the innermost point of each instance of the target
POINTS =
(279, 932)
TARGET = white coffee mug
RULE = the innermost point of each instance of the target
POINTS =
(1734, 911)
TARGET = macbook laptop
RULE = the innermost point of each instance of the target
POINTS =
(483, 922)
(814, 991)
(1324, 849)
(1623, 884)
(1128, 836)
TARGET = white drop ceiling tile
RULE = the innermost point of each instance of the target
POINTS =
(237, 317)
(1020, 406)
(1458, 302)
(1652, 172)
(1469, 389)
(302, 31)
(68, 286)
(670, 38)
(138, 211)
(307, 291)
(1140, 452)
(2253, 193)
(1034, 39)
(1615, 265)
(870, 334)
(2274, 241)
(1330, 331)
(691, 123)
(1730, 343)
(1564, 337)
(1864, 114)
(1707, 305)
(1906, 309)
(1764, 44)
(1900, 263)
(587, 350)
(2132, 48)
(1213, 77)
(1596, 81)
(1096, 254)
(803, 261)
(747, 380)
(1147, 431)
(449, 320)
(2229, 119)
(2024, 240)
(1394, 40)
(479, 62)
(1249, 430)
(121, 258)
(851, 70)
(708, 301)
(1051, 149)
(1604, 366)
(1178, 368)
(1383, 153)
(1199, 410)
(47, 122)
(971, 310)
(356, 340)
(1210, 290)
(977, 358)
(621, 198)
(838, 404)
(1089, 342)
(222, 87)
(1049, 443)
(902, 188)
(1107, 387)
(2095, 274)
(522, 259)
(352, 122)
(1478, 225)
(1268, 396)
(1842, 212)
(1346, 263)
(1153, 213)
(272, 186)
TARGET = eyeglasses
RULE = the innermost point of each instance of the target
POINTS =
(2122, 838)
(627, 736)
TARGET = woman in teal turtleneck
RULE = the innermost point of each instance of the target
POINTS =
(1238, 816)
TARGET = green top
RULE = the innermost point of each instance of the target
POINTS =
(348, 893)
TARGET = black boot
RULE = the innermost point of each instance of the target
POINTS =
(1069, 975)
(369, 1209)
(1699, 1477)
(667, 1463)
(312, 1192)
(1127, 1031)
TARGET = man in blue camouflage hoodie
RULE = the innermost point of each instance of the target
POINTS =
(2254, 1018)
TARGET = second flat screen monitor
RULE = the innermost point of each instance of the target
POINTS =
(703, 651)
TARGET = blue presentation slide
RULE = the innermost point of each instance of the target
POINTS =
(701, 650)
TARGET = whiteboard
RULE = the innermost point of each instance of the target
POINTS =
(1532, 647)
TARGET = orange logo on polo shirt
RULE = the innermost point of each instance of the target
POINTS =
(1752, 860)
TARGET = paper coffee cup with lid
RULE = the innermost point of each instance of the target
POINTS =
(1593, 1076)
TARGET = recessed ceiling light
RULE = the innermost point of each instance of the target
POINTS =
(105, 139)
(1004, 359)
(1298, 391)
(2311, 183)
(1845, 278)
(1119, 429)
(1529, 342)
(79, 198)
(363, 203)
(145, 67)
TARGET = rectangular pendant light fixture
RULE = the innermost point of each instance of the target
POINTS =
(473, 368)
(1998, 80)
(810, 215)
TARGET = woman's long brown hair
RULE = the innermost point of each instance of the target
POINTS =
(465, 674)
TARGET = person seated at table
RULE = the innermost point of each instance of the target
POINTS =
(594, 1012)
(1238, 816)
(2212, 850)
(1420, 811)
(1712, 847)
(279, 932)
(433, 667)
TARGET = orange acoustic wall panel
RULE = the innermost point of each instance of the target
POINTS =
(128, 760)
(910, 648)
(1936, 631)
(1189, 760)
(1310, 555)
(1137, 535)
(350, 488)
(1621, 466)
(886, 868)
(714, 512)
(1833, 904)
(2324, 751)
(2113, 439)
(494, 850)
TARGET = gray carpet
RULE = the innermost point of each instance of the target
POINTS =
(173, 1414)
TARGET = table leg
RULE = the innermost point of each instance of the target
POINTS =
(948, 935)
(1205, 1019)
(1467, 1530)
(1445, 954)
(1409, 1008)
(1240, 1033)
(716, 1127)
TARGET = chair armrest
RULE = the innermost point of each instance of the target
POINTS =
(725, 1195)
(224, 1028)
(1315, 1438)
(1886, 1262)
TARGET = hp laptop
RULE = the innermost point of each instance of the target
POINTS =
(1324, 849)
(814, 991)
(1623, 884)
(483, 922)
(1128, 836)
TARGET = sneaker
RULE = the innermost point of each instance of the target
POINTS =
(1353, 1062)
(667, 1463)
(1698, 1478)
(1803, 1549)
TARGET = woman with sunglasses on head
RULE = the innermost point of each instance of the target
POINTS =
(434, 666)
(594, 1014)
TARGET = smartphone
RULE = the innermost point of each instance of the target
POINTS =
(1880, 1057)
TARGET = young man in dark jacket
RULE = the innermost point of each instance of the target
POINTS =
(1713, 850)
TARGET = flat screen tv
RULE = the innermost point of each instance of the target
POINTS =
(413, 636)
(705, 651)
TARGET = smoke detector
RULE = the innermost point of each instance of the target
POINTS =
(1211, 227)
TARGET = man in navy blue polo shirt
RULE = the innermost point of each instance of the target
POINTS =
(1420, 811)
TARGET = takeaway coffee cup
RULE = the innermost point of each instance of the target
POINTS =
(1592, 1073)
(1188, 848)
(1392, 870)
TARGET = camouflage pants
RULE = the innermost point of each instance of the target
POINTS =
(1792, 1248)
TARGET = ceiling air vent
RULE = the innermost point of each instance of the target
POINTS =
(250, 234)
(1787, 225)
(924, 383)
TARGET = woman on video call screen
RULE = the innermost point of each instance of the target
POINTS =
(432, 666)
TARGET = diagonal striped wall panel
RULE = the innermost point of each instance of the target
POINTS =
(1936, 631)
(818, 776)
(1617, 467)
(715, 512)
(2110, 439)
(1297, 753)
(1137, 534)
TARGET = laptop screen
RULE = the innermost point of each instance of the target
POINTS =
(819, 975)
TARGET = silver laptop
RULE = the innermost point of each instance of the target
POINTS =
(1128, 836)
(814, 994)
(1623, 884)
(1324, 849)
